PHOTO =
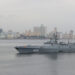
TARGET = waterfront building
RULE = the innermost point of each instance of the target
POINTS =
(69, 35)
(16, 35)
(12, 35)
(28, 33)
(40, 30)
(2, 35)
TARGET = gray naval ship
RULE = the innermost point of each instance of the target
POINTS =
(51, 46)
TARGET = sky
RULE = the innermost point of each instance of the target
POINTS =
(21, 15)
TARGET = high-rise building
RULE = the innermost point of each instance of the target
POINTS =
(43, 30)
(40, 30)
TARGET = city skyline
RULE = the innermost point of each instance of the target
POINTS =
(24, 14)
(38, 32)
(32, 29)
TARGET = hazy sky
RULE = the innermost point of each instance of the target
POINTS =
(20, 15)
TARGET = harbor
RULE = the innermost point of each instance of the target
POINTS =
(11, 62)
(37, 37)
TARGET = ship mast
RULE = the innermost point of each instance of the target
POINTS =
(55, 37)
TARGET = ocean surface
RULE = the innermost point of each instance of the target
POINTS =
(13, 63)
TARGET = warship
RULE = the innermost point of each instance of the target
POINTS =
(51, 46)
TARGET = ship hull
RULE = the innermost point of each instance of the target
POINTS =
(67, 50)
(43, 50)
(48, 50)
(27, 50)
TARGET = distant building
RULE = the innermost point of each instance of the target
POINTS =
(40, 30)
(2, 35)
(68, 35)
(36, 31)
(12, 35)
(1, 30)
(16, 35)
(28, 33)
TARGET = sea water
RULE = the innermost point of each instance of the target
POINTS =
(13, 63)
